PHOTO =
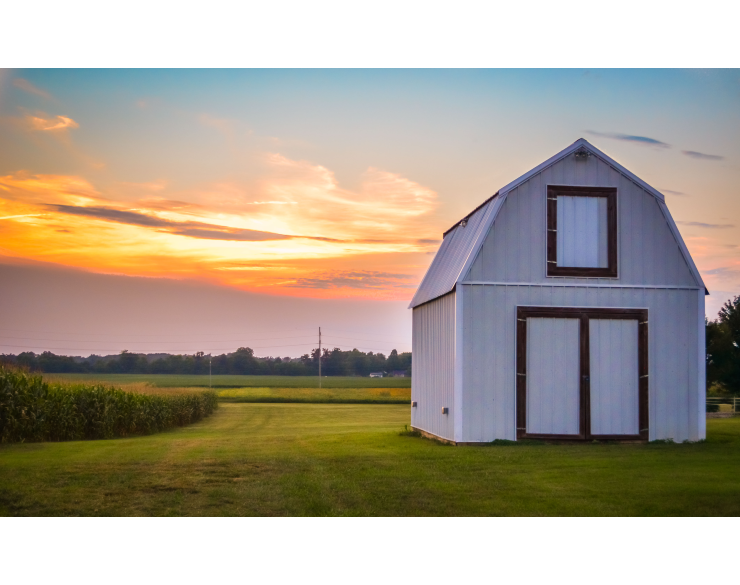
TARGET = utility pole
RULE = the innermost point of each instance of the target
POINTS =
(209, 372)
(319, 357)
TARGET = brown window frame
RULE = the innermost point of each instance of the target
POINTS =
(610, 271)
(583, 314)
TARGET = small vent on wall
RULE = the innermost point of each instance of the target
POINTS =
(445, 410)
(582, 154)
(463, 223)
(413, 404)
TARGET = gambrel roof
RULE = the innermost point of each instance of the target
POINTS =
(462, 242)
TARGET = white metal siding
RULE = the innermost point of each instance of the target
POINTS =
(553, 376)
(582, 232)
(489, 354)
(432, 380)
(515, 249)
(700, 404)
(614, 376)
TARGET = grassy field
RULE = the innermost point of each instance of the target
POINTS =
(318, 396)
(314, 459)
(184, 381)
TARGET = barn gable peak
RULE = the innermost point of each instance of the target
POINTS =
(463, 240)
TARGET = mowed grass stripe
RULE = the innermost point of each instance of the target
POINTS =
(229, 381)
(316, 459)
(318, 396)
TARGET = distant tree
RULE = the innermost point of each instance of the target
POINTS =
(129, 363)
(243, 362)
(393, 363)
(723, 347)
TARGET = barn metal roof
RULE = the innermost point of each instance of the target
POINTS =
(462, 241)
(457, 245)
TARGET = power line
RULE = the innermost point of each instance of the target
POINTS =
(370, 340)
(350, 332)
(157, 341)
(146, 334)
(226, 340)
(174, 351)
(158, 351)
(186, 342)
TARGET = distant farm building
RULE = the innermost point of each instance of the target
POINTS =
(564, 307)
(397, 374)
(376, 374)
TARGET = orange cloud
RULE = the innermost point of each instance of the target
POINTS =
(29, 188)
(294, 231)
(51, 124)
(152, 186)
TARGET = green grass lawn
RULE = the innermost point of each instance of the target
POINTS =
(225, 381)
(316, 459)
(318, 396)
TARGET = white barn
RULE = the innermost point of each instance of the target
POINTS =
(566, 306)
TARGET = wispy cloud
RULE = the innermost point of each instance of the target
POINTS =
(224, 125)
(22, 215)
(676, 193)
(701, 155)
(29, 87)
(154, 186)
(706, 225)
(643, 140)
(723, 271)
(55, 123)
(191, 229)
(145, 103)
(43, 188)
(353, 279)
(161, 204)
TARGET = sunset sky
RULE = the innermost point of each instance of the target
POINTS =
(253, 206)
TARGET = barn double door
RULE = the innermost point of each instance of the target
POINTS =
(582, 373)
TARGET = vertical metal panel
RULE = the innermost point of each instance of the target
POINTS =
(676, 392)
(700, 400)
(433, 366)
(553, 380)
(614, 377)
(456, 412)
(515, 249)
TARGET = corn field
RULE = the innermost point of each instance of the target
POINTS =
(34, 410)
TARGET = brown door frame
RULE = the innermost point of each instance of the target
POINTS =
(610, 193)
(583, 314)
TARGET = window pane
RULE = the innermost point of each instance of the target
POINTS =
(582, 232)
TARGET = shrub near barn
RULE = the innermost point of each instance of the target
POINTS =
(34, 410)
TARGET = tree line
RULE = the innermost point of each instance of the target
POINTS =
(334, 362)
(723, 350)
(722, 337)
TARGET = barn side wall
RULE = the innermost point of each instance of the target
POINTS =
(433, 366)
(515, 249)
(675, 341)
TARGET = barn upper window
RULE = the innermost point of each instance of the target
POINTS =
(582, 231)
